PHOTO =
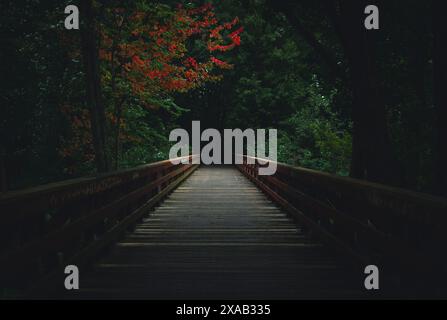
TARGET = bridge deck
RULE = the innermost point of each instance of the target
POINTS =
(218, 236)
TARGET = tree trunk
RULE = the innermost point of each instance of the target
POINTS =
(371, 150)
(118, 116)
(3, 177)
(440, 79)
(93, 84)
(371, 147)
(415, 119)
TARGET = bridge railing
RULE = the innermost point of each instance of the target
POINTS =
(374, 223)
(43, 229)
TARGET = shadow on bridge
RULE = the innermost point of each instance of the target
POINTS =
(165, 231)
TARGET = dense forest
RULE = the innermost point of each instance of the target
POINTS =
(345, 100)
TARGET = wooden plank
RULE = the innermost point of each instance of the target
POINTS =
(218, 250)
(330, 240)
(87, 254)
(402, 231)
(57, 240)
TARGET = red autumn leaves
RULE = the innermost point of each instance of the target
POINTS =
(161, 53)
(234, 37)
(148, 55)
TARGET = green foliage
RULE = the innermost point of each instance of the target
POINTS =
(314, 137)
(149, 141)
(279, 81)
(276, 87)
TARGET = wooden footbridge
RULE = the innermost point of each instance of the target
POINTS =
(164, 231)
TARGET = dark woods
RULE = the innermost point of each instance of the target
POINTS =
(369, 104)
(375, 154)
(94, 99)
(440, 98)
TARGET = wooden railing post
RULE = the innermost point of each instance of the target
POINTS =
(87, 214)
(369, 222)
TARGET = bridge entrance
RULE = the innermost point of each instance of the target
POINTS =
(185, 231)
(218, 236)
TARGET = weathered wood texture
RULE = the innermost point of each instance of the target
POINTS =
(44, 229)
(400, 231)
(218, 236)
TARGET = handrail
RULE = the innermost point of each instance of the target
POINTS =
(374, 223)
(45, 228)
